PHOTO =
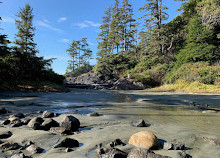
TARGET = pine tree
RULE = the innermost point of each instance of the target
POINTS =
(153, 23)
(73, 55)
(116, 27)
(25, 35)
(129, 26)
(87, 53)
(104, 46)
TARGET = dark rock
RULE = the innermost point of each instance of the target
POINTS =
(16, 123)
(153, 155)
(19, 155)
(9, 146)
(70, 123)
(94, 114)
(139, 123)
(59, 130)
(5, 135)
(48, 123)
(115, 143)
(68, 143)
(174, 145)
(68, 150)
(33, 149)
(19, 115)
(25, 121)
(39, 112)
(114, 153)
(3, 110)
(36, 126)
(47, 114)
(35, 120)
(6, 122)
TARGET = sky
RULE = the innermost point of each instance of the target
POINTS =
(58, 23)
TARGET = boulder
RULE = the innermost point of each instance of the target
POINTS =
(5, 135)
(25, 121)
(67, 143)
(48, 123)
(19, 115)
(36, 126)
(70, 123)
(47, 114)
(35, 120)
(3, 110)
(144, 139)
(6, 122)
(59, 130)
(139, 123)
(33, 149)
(16, 122)
(114, 153)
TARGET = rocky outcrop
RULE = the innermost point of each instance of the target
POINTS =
(95, 81)
(144, 139)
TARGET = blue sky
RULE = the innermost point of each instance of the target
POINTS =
(59, 22)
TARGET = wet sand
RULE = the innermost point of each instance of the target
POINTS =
(169, 114)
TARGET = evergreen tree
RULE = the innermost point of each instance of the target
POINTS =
(73, 55)
(128, 24)
(25, 35)
(116, 27)
(104, 46)
(87, 53)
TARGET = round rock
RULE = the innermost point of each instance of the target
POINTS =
(144, 139)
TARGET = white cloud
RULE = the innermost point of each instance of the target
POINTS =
(64, 40)
(91, 23)
(82, 25)
(62, 19)
(8, 20)
(88, 23)
(47, 25)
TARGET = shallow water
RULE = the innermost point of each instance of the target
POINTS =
(169, 114)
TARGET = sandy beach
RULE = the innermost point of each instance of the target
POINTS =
(168, 115)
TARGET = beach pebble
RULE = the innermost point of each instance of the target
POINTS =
(139, 123)
(48, 123)
(174, 145)
(68, 143)
(6, 122)
(5, 135)
(47, 114)
(3, 110)
(33, 149)
(94, 114)
(144, 139)
(70, 123)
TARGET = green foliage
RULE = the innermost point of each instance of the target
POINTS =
(191, 72)
(199, 45)
(114, 65)
(80, 70)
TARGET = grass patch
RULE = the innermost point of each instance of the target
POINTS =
(191, 87)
